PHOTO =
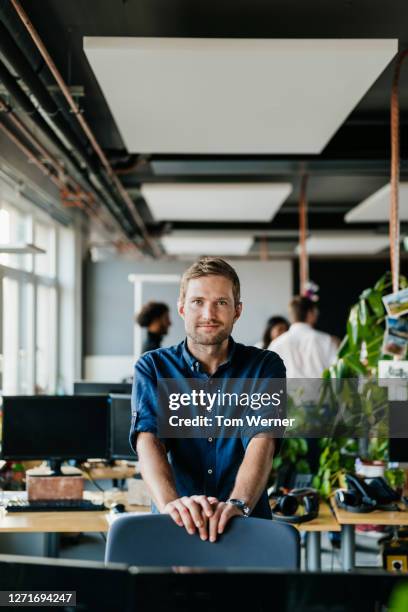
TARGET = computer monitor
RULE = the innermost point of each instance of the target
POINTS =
(56, 428)
(87, 387)
(120, 427)
(398, 432)
(98, 587)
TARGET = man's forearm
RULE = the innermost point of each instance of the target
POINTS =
(156, 470)
(254, 471)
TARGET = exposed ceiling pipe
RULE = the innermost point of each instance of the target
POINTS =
(15, 57)
(84, 125)
(26, 104)
(24, 70)
(81, 199)
(303, 259)
(394, 230)
(5, 108)
(31, 157)
(43, 168)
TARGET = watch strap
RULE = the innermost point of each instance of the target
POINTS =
(241, 504)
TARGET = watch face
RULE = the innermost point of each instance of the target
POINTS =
(241, 505)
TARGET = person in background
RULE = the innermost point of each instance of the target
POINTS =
(305, 351)
(155, 317)
(275, 326)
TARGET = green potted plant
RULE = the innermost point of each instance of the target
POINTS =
(358, 356)
(290, 461)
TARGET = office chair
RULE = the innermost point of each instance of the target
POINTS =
(155, 540)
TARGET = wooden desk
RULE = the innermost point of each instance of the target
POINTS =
(120, 471)
(326, 521)
(348, 521)
(54, 523)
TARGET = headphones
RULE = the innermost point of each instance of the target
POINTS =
(352, 501)
(366, 494)
(287, 505)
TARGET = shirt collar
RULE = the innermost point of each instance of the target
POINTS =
(194, 364)
(299, 325)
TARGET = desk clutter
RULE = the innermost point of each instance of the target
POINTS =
(367, 494)
(54, 505)
(288, 503)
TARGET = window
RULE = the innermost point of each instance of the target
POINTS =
(30, 296)
(46, 327)
(10, 335)
(14, 230)
(44, 237)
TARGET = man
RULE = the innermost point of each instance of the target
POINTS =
(155, 317)
(206, 481)
(305, 351)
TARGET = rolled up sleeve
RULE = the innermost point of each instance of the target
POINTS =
(144, 400)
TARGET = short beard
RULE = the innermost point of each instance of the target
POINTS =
(219, 338)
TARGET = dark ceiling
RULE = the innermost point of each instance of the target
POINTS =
(355, 162)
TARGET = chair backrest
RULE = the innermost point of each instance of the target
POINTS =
(155, 540)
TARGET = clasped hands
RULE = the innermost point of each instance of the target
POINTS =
(207, 515)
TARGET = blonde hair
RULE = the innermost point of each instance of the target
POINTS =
(211, 266)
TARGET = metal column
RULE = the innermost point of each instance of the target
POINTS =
(313, 551)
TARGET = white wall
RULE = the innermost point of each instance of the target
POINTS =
(266, 290)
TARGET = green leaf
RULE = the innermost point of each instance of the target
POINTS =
(383, 283)
(353, 326)
(399, 598)
(302, 446)
(277, 462)
(302, 467)
(375, 302)
(326, 474)
(325, 489)
(354, 363)
(344, 347)
(362, 313)
(316, 482)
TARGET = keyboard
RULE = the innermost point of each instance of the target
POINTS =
(52, 505)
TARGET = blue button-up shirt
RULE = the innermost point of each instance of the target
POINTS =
(205, 466)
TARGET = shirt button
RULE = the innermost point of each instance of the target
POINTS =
(210, 439)
(210, 471)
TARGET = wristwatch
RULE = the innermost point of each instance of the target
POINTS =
(239, 503)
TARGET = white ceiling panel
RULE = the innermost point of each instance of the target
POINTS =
(215, 202)
(377, 206)
(346, 243)
(206, 243)
(232, 96)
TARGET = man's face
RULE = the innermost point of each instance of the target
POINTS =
(209, 311)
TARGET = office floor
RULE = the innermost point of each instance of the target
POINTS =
(91, 546)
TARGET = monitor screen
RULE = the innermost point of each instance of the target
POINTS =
(398, 431)
(120, 427)
(87, 387)
(56, 427)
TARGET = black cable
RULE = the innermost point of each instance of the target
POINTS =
(92, 480)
